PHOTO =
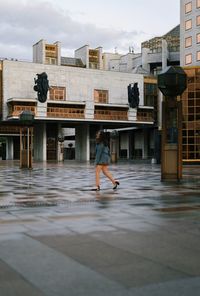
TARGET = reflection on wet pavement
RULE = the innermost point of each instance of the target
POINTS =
(52, 184)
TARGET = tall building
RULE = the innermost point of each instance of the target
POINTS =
(190, 33)
(190, 61)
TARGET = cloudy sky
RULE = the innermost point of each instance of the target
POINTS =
(113, 24)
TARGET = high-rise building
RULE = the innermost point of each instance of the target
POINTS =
(190, 61)
(190, 32)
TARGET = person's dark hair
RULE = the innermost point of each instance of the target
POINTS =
(102, 138)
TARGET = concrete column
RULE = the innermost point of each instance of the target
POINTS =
(82, 143)
(165, 54)
(124, 142)
(145, 62)
(58, 52)
(100, 58)
(145, 145)
(60, 150)
(9, 148)
(40, 142)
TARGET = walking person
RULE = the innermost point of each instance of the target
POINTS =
(102, 160)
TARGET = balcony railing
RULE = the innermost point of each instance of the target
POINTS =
(66, 112)
(15, 110)
(110, 114)
(145, 115)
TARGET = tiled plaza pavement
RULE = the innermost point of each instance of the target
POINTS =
(59, 238)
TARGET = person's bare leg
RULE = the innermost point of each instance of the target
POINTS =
(108, 174)
(97, 175)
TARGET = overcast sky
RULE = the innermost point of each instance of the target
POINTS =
(113, 24)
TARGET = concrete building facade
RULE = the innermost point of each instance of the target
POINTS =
(86, 93)
(83, 98)
(190, 61)
(190, 33)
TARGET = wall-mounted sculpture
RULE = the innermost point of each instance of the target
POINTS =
(41, 86)
(133, 95)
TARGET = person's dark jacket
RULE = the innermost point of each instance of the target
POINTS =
(102, 154)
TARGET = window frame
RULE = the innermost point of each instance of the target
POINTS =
(198, 38)
(57, 93)
(190, 26)
(188, 7)
(187, 56)
(101, 96)
(198, 20)
(189, 41)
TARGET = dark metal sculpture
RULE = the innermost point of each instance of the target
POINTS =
(133, 95)
(41, 86)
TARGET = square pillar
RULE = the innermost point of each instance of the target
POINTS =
(40, 147)
(82, 143)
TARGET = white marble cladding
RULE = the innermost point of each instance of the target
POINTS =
(18, 82)
(132, 114)
(89, 110)
(41, 110)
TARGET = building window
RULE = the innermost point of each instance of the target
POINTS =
(150, 94)
(198, 38)
(198, 3)
(57, 93)
(50, 61)
(93, 66)
(188, 41)
(198, 56)
(188, 25)
(93, 59)
(50, 54)
(101, 96)
(198, 20)
(188, 59)
(188, 7)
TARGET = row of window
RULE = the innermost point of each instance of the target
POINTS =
(188, 6)
(188, 23)
(101, 96)
(188, 58)
(59, 94)
(188, 40)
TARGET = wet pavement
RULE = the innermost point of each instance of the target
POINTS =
(58, 237)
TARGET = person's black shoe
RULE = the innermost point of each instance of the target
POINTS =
(116, 184)
(98, 188)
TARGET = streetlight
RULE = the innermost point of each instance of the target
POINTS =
(172, 82)
(26, 139)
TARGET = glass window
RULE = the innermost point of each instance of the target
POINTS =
(188, 59)
(198, 38)
(101, 96)
(188, 41)
(188, 7)
(50, 61)
(198, 3)
(57, 93)
(188, 24)
(198, 20)
(198, 55)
